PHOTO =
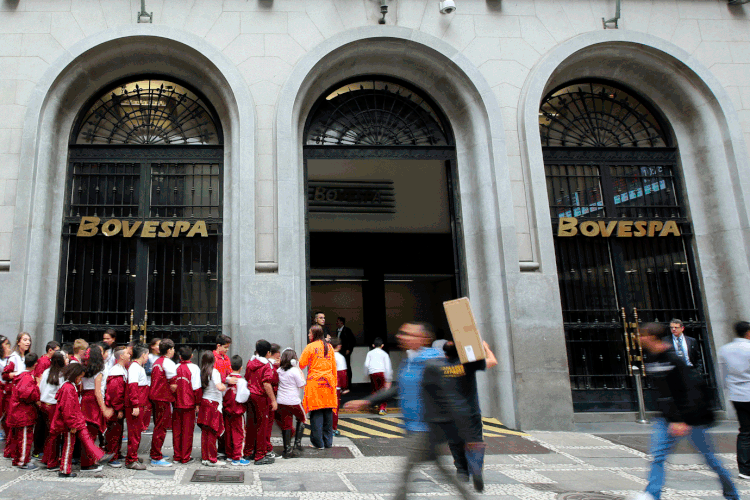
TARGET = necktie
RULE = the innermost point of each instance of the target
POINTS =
(680, 350)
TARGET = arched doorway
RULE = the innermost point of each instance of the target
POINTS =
(142, 218)
(623, 236)
(383, 238)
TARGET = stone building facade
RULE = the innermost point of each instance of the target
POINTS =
(261, 68)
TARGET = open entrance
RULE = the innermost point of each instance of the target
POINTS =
(383, 237)
(142, 221)
(623, 236)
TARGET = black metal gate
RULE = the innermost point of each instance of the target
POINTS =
(148, 255)
(604, 267)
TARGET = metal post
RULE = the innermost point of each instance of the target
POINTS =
(639, 391)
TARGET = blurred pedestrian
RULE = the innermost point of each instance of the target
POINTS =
(734, 367)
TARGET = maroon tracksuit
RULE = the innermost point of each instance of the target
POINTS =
(95, 421)
(211, 422)
(41, 430)
(256, 441)
(377, 382)
(161, 402)
(183, 418)
(114, 398)
(10, 383)
(68, 417)
(271, 413)
(234, 422)
(22, 416)
(342, 384)
(135, 397)
(50, 456)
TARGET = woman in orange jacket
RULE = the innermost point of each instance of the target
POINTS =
(320, 391)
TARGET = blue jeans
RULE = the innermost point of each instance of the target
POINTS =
(321, 428)
(662, 443)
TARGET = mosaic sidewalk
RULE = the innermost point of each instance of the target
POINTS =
(537, 465)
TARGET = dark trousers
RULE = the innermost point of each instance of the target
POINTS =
(348, 369)
(743, 438)
(321, 428)
(422, 447)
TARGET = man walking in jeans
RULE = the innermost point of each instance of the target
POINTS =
(734, 366)
(684, 411)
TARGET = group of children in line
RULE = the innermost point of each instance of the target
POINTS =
(69, 397)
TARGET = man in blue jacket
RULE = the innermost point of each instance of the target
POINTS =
(429, 410)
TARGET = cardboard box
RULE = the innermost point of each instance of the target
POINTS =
(464, 329)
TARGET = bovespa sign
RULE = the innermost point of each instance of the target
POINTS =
(569, 226)
(149, 229)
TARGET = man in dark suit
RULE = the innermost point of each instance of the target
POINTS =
(685, 347)
(348, 342)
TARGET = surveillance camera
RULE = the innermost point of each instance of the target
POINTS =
(447, 6)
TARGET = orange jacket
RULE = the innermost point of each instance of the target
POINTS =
(320, 391)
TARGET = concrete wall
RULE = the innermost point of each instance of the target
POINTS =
(263, 63)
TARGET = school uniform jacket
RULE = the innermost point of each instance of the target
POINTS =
(15, 364)
(257, 373)
(68, 414)
(236, 396)
(42, 364)
(117, 386)
(187, 396)
(159, 383)
(138, 388)
(22, 407)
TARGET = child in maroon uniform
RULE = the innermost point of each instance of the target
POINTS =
(114, 397)
(22, 414)
(13, 368)
(94, 411)
(49, 384)
(259, 376)
(68, 420)
(136, 401)
(163, 387)
(210, 418)
(234, 414)
(187, 397)
(5, 351)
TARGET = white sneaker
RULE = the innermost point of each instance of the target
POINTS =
(218, 463)
(743, 476)
(641, 496)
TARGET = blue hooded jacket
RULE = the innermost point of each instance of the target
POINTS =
(410, 388)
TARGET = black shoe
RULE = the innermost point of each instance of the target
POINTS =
(62, 474)
(478, 482)
(265, 461)
(299, 433)
(106, 458)
(286, 437)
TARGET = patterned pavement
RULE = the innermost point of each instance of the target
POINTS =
(596, 465)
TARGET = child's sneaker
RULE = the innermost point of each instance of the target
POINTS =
(271, 454)
(336, 432)
(62, 474)
(382, 412)
(92, 468)
(135, 466)
(28, 466)
(218, 463)
(161, 463)
(241, 461)
(265, 461)
(115, 463)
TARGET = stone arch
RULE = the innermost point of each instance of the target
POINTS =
(706, 129)
(58, 97)
(471, 107)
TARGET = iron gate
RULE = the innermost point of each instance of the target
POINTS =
(606, 163)
(144, 173)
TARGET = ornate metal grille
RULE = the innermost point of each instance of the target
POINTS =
(375, 113)
(143, 159)
(600, 275)
(597, 115)
(148, 112)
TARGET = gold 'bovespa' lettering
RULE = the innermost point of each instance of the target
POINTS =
(199, 228)
(608, 228)
(589, 228)
(180, 227)
(127, 231)
(670, 227)
(567, 226)
(640, 228)
(624, 229)
(88, 226)
(149, 229)
(166, 229)
(654, 226)
(111, 227)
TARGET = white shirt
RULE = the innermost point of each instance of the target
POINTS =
(195, 376)
(290, 382)
(18, 363)
(137, 375)
(734, 367)
(211, 393)
(340, 361)
(111, 361)
(243, 393)
(378, 361)
(48, 392)
(118, 371)
(170, 369)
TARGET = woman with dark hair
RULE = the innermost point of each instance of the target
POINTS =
(14, 367)
(210, 419)
(49, 383)
(94, 411)
(69, 422)
(320, 393)
(291, 380)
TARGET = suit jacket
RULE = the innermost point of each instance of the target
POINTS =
(347, 340)
(693, 351)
